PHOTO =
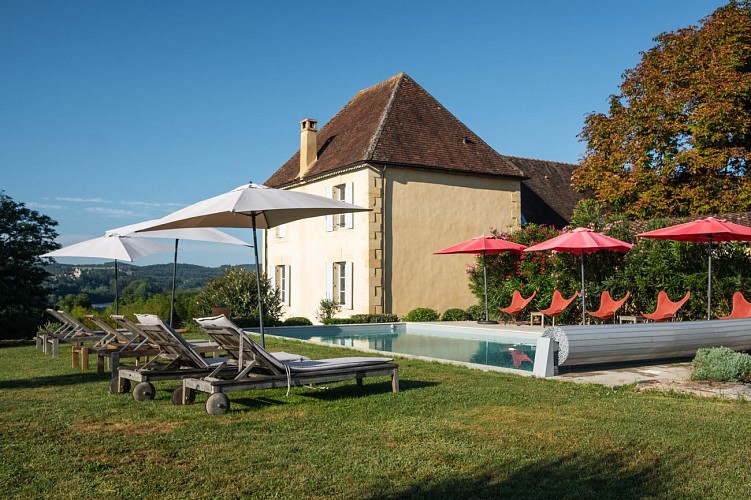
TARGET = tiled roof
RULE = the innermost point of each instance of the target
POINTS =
(547, 194)
(398, 122)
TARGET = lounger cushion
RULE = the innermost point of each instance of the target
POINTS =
(335, 363)
(287, 356)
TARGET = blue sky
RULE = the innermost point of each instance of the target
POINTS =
(116, 112)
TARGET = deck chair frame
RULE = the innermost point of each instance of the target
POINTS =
(77, 334)
(182, 357)
(271, 373)
(121, 344)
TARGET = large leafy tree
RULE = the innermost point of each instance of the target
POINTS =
(24, 235)
(677, 139)
(236, 289)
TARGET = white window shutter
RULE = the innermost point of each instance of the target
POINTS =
(329, 280)
(287, 284)
(272, 278)
(348, 197)
(329, 218)
(347, 285)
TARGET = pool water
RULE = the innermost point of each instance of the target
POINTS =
(464, 345)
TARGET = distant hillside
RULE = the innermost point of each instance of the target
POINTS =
(97, 280)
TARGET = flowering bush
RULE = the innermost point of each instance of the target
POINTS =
(651, 266)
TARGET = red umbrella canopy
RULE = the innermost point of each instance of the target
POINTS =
(702, 230)
(486, 244)
(581, 240)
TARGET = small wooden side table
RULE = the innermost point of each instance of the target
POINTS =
(534, 315)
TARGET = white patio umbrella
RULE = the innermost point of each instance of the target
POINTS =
(258, 207)
(111, 247)
(195, 233)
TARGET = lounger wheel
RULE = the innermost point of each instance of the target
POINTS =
(217, 404)
(177, 396)
(144, 391)
(119, 385)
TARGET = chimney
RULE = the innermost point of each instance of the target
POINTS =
(308, 144)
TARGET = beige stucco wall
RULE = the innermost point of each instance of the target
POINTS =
(308, 247)
(426, 211)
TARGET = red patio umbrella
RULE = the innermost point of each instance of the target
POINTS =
(703, 230)
(581, 240)
(484, 245)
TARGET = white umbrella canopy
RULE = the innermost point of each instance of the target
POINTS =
(258, 207)
(254, 206)
(191, 233)
(111, 247)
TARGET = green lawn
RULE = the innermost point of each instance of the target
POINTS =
(451, 432)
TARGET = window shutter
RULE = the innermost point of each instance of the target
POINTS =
(287, 284)
(329, 280)
(329, 218)
(272, 278)
(347, 285)
(348, 197)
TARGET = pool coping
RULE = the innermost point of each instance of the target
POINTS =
(483, 331)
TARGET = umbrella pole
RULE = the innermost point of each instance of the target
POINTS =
(709, 283)
(487, 321)
(174, 275)
(258, 283)
(117, 307)
(581, 258)
(485, 281)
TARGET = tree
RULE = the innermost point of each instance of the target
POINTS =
(24, 235)
(236, 289)
(677, 139)
(70, 301)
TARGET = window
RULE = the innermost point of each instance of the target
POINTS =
(280, 282)
(281, 231)
(340, 192)
(339, 283)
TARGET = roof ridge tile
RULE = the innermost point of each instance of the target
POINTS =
(384, 117)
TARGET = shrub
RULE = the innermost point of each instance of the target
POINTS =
(362, 318)
(236, 289)
(421, 314)
(455, 315)
(297, 321)
(476, 312)
(337, 321)
(383, 318)
(252, 321)
(721, 364)
(326, 310)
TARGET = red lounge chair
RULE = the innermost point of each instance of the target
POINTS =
(666, 308)
(558, 304)
(741, 307)
(608, 306)
(518, 303)
(518, 357)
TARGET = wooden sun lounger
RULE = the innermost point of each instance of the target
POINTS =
(77, 333)
(184, 360)
(42, 335)
(176, 357)
(117, 345)
(268, 372)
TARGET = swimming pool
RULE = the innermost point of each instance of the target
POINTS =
(504, 349)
